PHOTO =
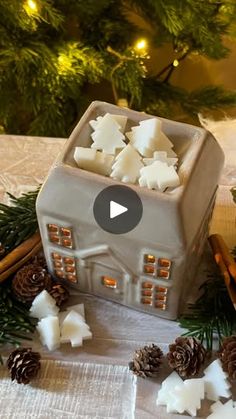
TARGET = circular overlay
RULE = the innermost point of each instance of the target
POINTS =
(117, 209)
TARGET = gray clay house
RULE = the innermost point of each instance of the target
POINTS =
(152, 267)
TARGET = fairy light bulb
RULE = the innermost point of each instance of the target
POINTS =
(175, 63)
(141, 45)
(31, 7)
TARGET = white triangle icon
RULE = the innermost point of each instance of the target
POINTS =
(116, 209)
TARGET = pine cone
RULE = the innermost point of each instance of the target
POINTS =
(59, 293)
(29, 281)
(23, 365)
(228, 356)
(186, 356)
(146, 361)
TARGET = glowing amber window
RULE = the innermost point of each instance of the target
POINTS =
(162, 273)
(161, 289)
(109, 282)
(54, 239)
(149, 259)
(147, 293)
(161, 297)
(66, 243)
(164, 263)
(59, 273)
(70, 269)
(71, 278)
(147, 285)
(160, 305)
(57, 264)
(149, 269)
(53, 228)
(69, 261)
(147, 301)
(56, 256)
(65, 231)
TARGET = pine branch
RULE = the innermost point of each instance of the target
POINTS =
(15, 322)
(18, 221)
(212, 315)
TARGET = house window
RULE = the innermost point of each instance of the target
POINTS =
(156, 267)
(109, 282)
(153, 295)
(61, 236)
(64, 267)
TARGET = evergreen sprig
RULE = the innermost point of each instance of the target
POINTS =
(52, 56)
(212, 315)
(15, 322)
(18, 221)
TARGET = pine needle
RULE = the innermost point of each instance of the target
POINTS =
(15, 322)
(212, 315)
(18, 221)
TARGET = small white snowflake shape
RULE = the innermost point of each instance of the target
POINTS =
(120, 119)
(216, 383)
(127, 165)
(188, 396)
(161, 156)
(158, 176)
(144, 136)
(165, 394)
(93, 160)
(107, 136)
(223, 411)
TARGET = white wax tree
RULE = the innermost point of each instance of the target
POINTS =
(120, 119)
(108, 137)
(165, 395)
(147, 137)
(223, 411)
(127, 165)
(188, 396)
(216, 383)
(161, 156)
(158, 175)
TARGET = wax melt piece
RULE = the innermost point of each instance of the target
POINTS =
(216, 383)
(49, 332)
(93, 160)
(74, 329)
(161, 156)
(144, 136)
(159, 176)
(188, 396)
(127, 165)
(120, 119)
(43, 305)
(223, 411)
(165, 395)
(108, 136)
(148, 137)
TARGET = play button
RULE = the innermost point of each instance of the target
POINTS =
(117, 209)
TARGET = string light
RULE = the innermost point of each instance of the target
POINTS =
(31, 7)
(175, 63)
(64, 64)
(141, 45)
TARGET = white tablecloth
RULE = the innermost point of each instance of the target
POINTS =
(76, 383)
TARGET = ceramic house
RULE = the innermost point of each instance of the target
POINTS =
(152, 267)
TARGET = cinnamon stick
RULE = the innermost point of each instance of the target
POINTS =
(228, 258)
(226, 264)
(19, 252)
(13, 268)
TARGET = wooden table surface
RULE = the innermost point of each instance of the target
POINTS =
(94, 381)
